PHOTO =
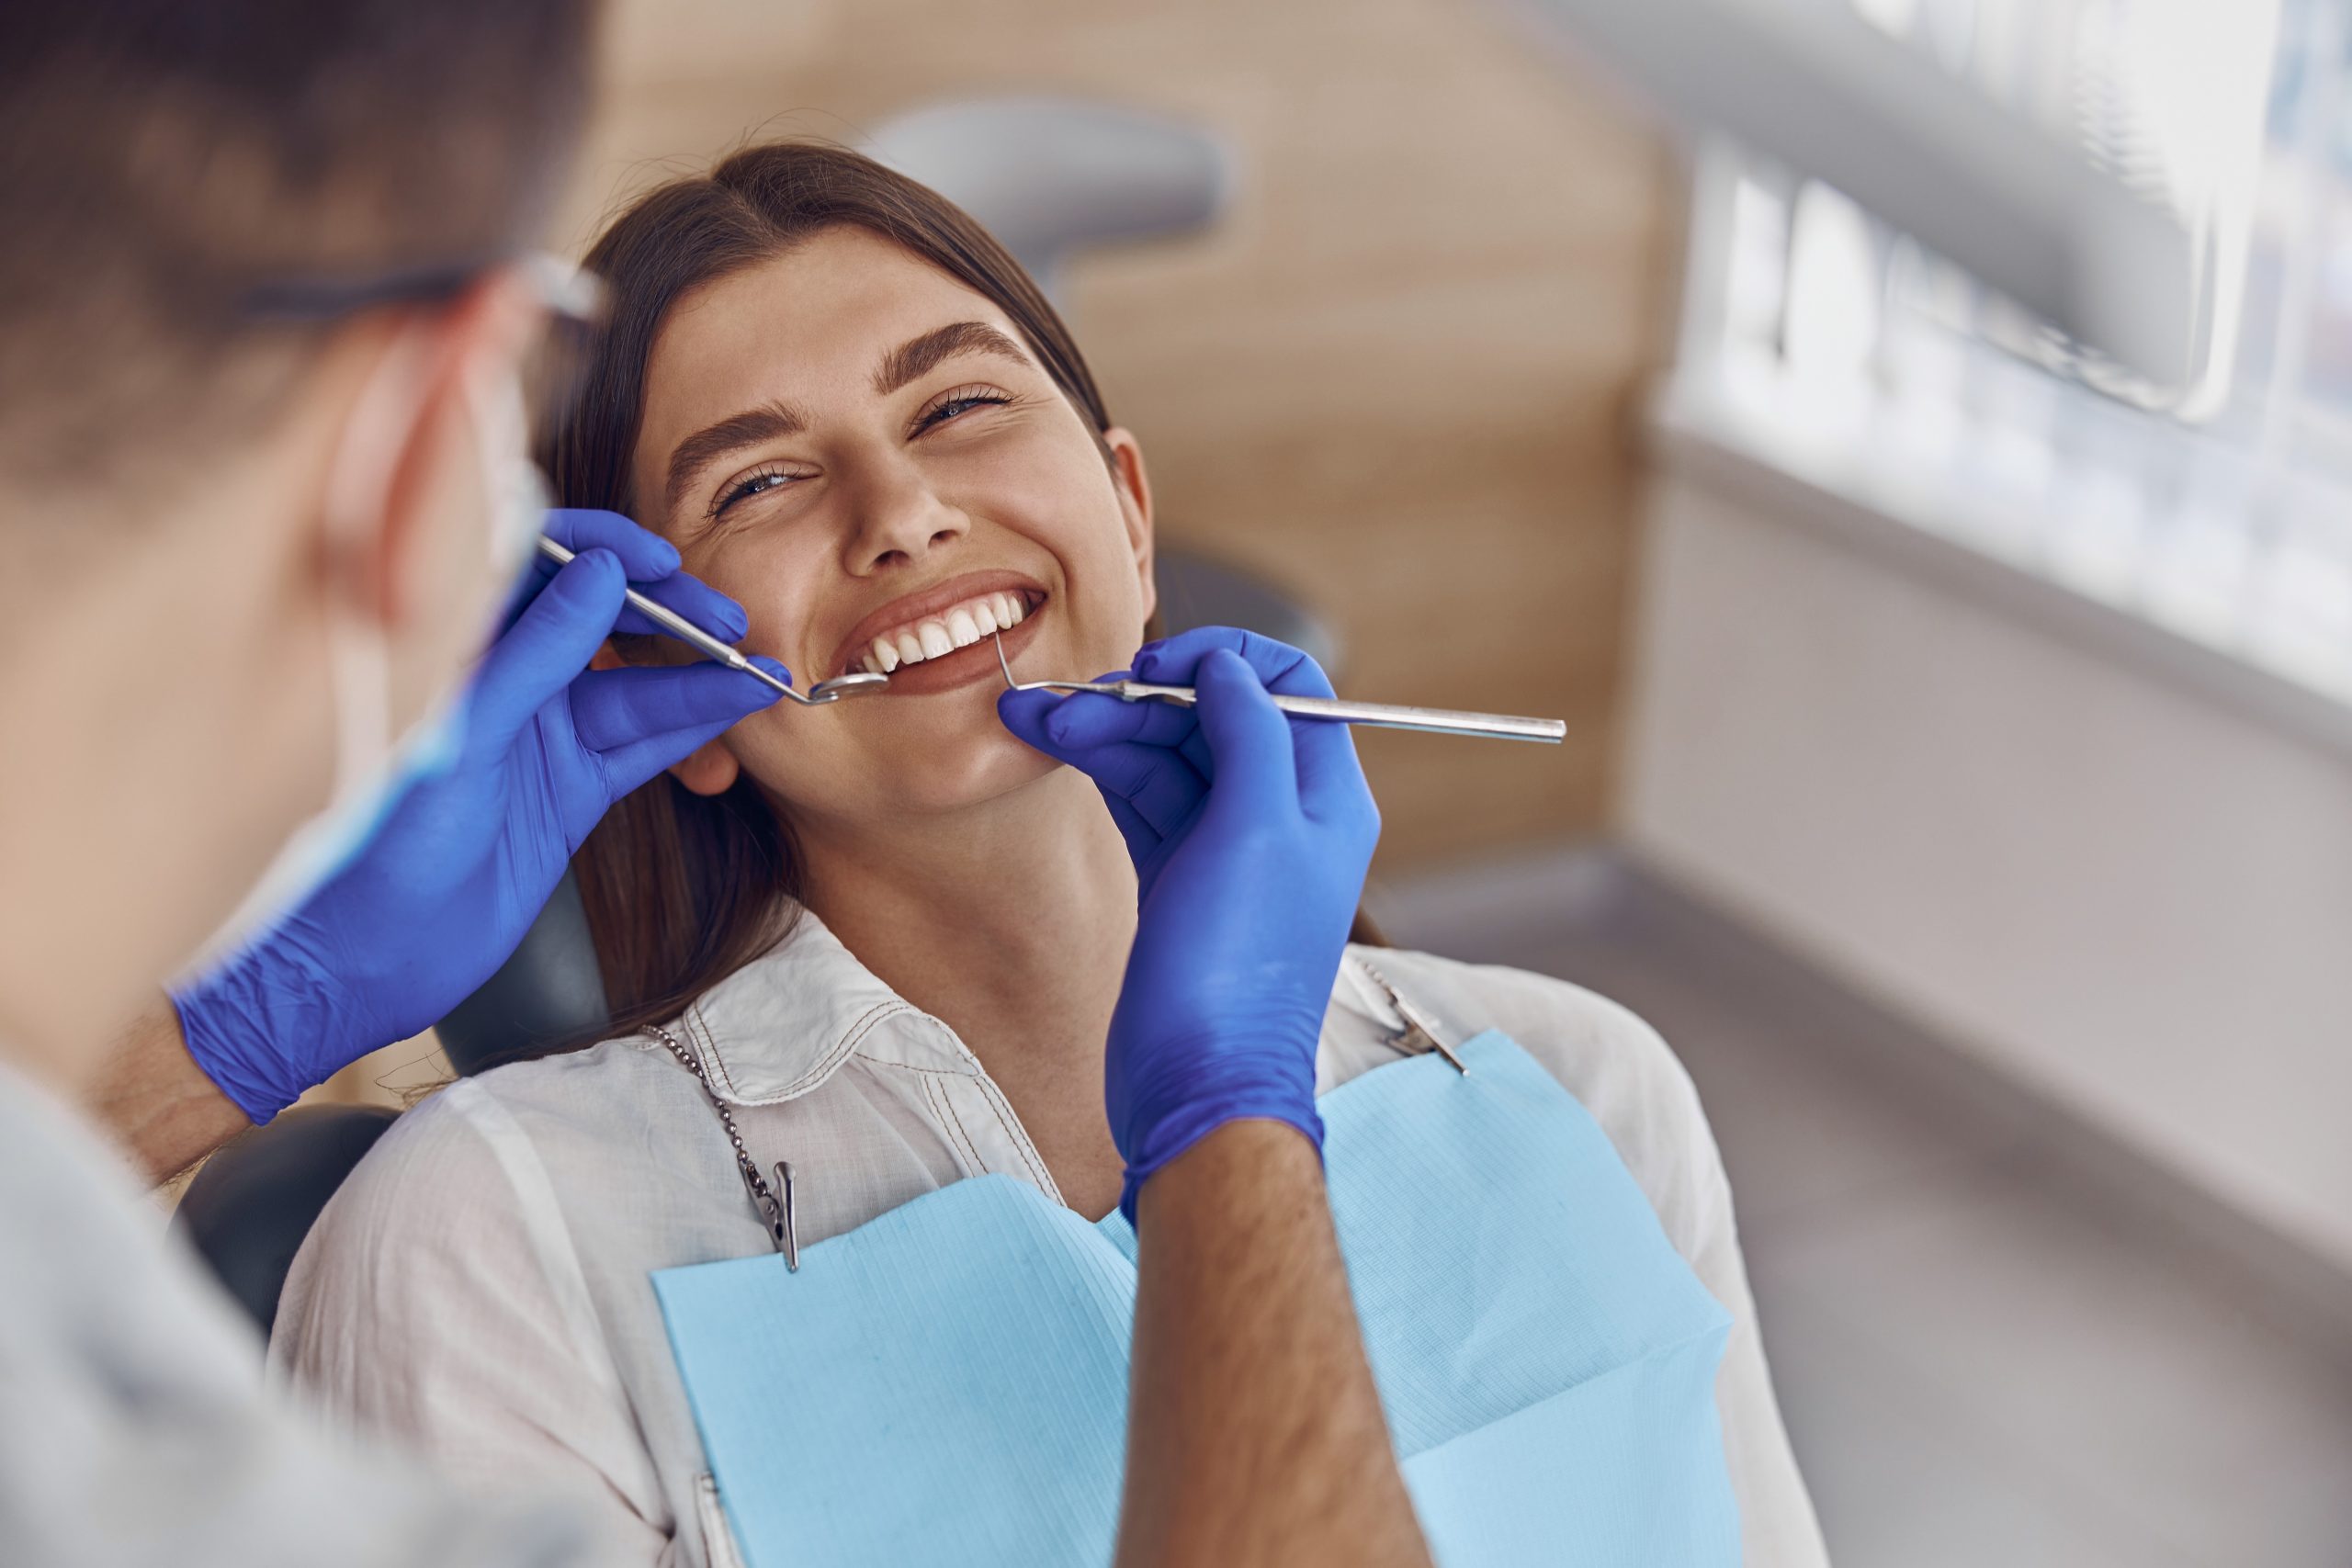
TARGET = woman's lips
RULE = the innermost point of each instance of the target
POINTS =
(915, 628)
(965, 666)
(960, 624)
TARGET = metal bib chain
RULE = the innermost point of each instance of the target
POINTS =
(774, 1203)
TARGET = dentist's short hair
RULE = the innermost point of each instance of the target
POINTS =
(165, 164)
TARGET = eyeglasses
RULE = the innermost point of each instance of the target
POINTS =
(552, 370)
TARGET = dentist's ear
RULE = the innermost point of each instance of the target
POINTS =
(406, 503)
(1133, 486)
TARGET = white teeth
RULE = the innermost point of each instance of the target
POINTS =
(958, 627)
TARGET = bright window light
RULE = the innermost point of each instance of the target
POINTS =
(1825, 341)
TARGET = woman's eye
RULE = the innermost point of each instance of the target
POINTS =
(959, 403)
(748, 487)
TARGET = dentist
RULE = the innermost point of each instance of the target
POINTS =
(263, 339)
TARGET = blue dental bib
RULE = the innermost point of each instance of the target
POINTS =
(948, 1383)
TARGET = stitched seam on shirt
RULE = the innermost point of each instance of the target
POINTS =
(1029, 1155)
(835, 1054)
(936, 1093)
(944, 1108)
(707, 1047)
(867, 1024)
(1022, 1143)
(871, 1020)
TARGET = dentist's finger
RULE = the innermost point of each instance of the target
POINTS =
(1256, 770)
(646, 556)
(1088, 721)
(1158, 782)
(692, 597)
(653, 571)
(1329, 769)
(629, 766)
(1025, 714)
(614, 708)
(1175, 661)
(1143, 842)
(1160, 785)
(549, 643)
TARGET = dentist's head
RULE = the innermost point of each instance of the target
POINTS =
(261, 325)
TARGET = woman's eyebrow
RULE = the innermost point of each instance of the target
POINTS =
(707, 445)
(917, 355)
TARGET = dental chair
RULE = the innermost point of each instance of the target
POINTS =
(1050, 177)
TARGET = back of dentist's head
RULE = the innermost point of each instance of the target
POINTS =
(256, 296)
(164, 165)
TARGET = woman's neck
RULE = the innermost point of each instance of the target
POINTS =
(1011, 924)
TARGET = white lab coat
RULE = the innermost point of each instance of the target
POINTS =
(133, 1427)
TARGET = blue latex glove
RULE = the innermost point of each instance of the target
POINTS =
(465, 861)
(1250, 835)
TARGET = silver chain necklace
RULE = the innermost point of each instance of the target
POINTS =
(774, 1203)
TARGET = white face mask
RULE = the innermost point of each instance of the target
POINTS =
(373, 771)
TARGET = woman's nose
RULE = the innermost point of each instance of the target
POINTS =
(902, 521)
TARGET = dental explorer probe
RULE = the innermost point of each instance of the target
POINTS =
(1384, 716)
(685, 631)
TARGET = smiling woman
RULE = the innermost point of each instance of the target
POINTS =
(729, 412)
(885, 937)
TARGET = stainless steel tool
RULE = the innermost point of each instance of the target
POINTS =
(685, 631)
(1385, 716)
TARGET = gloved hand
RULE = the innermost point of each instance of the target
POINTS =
(1250, 834)
(464, 861)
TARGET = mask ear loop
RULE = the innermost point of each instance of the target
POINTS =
(359, 481)
(518, 492)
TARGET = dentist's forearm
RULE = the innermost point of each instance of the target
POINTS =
(157, 1102)
(1255, 1434)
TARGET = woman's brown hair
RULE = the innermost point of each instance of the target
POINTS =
(681, 890)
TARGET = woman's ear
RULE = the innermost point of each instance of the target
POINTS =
(1135, 505)
(709, 769)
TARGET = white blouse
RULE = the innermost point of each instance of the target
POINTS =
(479, 1286)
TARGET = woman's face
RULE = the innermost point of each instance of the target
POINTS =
(867, 456)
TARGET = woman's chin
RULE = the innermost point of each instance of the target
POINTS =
(956, 761)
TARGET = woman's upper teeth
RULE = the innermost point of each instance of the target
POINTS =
(959, 626)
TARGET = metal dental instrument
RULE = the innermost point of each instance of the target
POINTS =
(685, 631)
(1385, 716)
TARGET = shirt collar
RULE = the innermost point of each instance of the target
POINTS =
(785, 1023)
(782, 1024)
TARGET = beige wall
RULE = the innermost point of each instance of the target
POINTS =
(1397, 381)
